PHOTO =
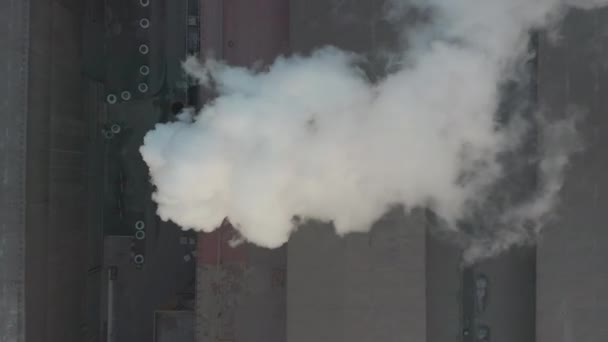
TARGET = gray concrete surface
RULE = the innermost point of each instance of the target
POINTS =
(174, 326)
(362, 287)
(57, 175)
(95, 223)
(44, 183)
(242, 301)
(572, 305)
(14, 70)
(508, 308)
(138, 293)
(361, 26)
(123, 35)
(354, 25)
(443, 290)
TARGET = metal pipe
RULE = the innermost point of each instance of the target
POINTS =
(112, 273)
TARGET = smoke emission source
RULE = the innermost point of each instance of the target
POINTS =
(312, 137)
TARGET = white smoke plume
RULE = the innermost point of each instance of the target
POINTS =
(312, 137)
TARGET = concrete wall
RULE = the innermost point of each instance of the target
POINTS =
(572, 304)
(56, 174)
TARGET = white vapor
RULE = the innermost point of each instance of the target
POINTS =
(312, 137)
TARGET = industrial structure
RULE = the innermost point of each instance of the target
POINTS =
(83, 257)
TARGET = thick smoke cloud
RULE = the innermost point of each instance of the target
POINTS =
(312, 137)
